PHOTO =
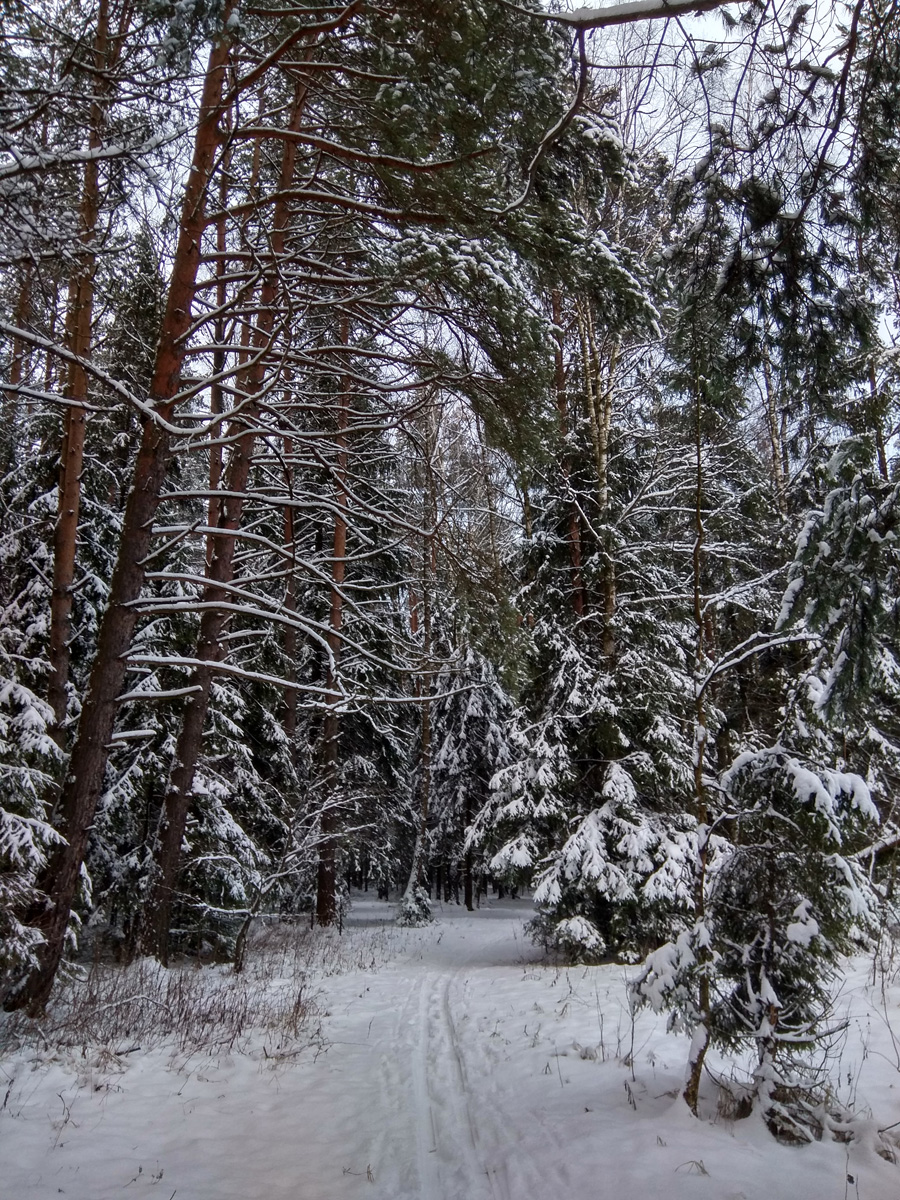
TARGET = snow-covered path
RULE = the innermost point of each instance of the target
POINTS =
(449, 1134)
(451, 1066)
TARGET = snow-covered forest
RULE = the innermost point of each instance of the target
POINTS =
(450, 448)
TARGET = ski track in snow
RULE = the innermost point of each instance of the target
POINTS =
(455, 1067)
(452, 1162)
(472, 1150)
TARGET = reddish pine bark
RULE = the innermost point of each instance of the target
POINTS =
(84, 779)
(18, 366)
(221, 548)
(79, 321)
(289, 719)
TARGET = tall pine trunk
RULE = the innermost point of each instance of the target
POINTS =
(326, 873)
(83, 783)
(289, 716)
(79, 324)
(413, 906)
(20, 362)
(220, 572)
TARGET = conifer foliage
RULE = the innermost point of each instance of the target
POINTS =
(420, 466)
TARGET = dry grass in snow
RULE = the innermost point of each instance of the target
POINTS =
(272, 1006)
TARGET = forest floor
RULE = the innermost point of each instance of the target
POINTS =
(445, 1063)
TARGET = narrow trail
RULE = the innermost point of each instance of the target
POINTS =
(451, 1162)
(449, 1065)
(424, 1082)
(449, 1122)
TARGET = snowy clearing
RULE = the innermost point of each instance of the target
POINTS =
(446, 1063)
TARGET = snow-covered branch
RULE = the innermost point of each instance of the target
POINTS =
(628, 13)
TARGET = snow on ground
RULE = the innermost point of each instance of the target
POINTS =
(449, 1063)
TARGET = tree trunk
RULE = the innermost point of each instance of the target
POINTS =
(216, 396)
(326, 875)
(79, 322)
(599, 396)
(409, 906)
(700, 1039)
(84, 778)
(173, 820)
(21, 362)
(18, 370)
(289, 720)
(468, 862)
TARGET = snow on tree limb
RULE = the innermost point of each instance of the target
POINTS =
(627, 13)
(52, 160)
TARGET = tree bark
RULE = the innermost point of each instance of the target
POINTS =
(326, 874)
(18, 370)
(468, 862)
(216, 396)
(289, 719)
(423, 683)
(599, 402)
(220, 571)
(83, 784)
(700, 1039)
(79, 322)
